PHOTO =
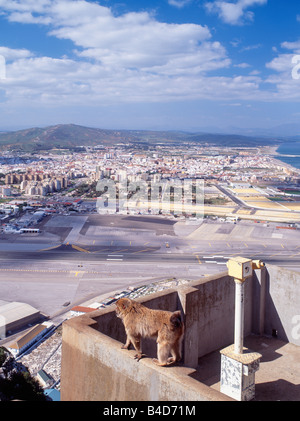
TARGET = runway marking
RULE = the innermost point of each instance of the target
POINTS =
(211, 257)
(77, 272)
(199, 261)
(210, 245)
(47, 271)
(296, 254)
(141, 251)
(146, 243)
(50, 248)
(228, 245)
(118, 251)
(255, 254)
(115, 260)
(80, 249)
(246, 245)
(282, 246)
(277, 254)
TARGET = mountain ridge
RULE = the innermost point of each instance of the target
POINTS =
(73, 136)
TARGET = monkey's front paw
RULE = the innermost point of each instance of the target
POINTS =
(124, 347)
(155, 360)
(138, 356)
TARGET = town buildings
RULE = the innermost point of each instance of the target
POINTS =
(76, 174)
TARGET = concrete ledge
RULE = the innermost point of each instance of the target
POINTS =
(95, 368)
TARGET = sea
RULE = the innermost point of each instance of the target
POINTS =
(292, 150)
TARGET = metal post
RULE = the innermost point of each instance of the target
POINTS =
(239, 364)
(239, 317)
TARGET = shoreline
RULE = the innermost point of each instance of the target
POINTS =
(271, 151)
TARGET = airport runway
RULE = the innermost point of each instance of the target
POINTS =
(134, 254)
(96, 256)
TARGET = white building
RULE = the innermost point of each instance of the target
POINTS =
(6, 191)
(31, 337)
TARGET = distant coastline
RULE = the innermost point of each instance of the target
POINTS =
(283, 153)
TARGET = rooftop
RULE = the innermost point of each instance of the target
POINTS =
(278, 377)
(25, 339)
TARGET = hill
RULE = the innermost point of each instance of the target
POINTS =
(72, 136)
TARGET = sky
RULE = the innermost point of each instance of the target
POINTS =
(192, 65)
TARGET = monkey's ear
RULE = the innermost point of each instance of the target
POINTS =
(125, 303)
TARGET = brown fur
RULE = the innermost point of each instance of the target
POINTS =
(140, 321)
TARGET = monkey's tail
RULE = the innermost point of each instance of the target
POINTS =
(176, 319)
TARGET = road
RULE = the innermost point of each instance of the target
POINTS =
(279, 255)
(234, 198)
(99, 255)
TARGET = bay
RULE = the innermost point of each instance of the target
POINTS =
(292, 152)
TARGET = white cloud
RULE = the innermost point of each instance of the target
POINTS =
(242, 65)
(27, 17)
(32, 6)
(286, 86)
(295, 46)
(250, 47)
(179, 3)
(131, 57)
(44, 81)
(121, 59)
(13, 54)
(234, 13)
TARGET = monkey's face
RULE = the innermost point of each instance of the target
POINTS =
(118, 310)
(121, 306)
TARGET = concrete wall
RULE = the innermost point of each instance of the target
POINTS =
(282, 304)
(208, 306)
(94, 367)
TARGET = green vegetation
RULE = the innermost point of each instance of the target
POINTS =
(291, 191)
(3, 354)
(21, 386)
(17, 383)
(216, 201)
(72, 137)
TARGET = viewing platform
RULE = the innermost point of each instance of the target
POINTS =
(95, 368)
